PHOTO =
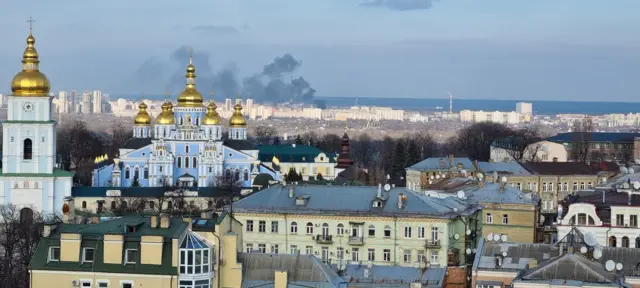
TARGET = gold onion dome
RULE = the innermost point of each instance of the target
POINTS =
(190, 97)
(143, 117)
(30, 81)
(212, 117)
(237, 119)
(166, 116)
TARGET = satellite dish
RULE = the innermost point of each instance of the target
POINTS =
(604, 179)
(504, 179)
(504, 253)
(597, 253)
(468, 251)
(590, 239)
(631, 171)
(457, 236)
(461, 195)
(583, 250)
(503, 238)
(496, 237)
(610, 265)
(463, 172)
(431, 177)
(619, 266)
(636, 185)
(480, 176)
(468, 231)
(387, 187)
(438, 176)
(470, 177)
(490, 237)
(430, 182)
(624, 170)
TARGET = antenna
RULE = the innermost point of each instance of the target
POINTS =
(610, 265)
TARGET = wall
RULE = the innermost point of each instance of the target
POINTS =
(520, 226)
(63, 279)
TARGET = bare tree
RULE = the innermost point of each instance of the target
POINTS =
(475, 140)
(524, 144)
(580, 146)
(119, 136)
(77, 147)
(265, 134)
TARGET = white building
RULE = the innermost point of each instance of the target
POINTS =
(29, 177)
(97, 101)
(63, 102)
(503, 150)
(524, 108)
(86, 103)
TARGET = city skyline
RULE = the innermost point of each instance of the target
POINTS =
(491, 50)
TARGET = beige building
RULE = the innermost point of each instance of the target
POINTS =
(503, 150)
(306, 160)
(357, 225)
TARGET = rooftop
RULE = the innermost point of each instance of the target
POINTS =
(594, 137)
(431, 164)
(302, 270)
(101, 192)
(559, 168)
(291, 153)
(512, 168)
(57, 172)
(488, 192)
(393, 276)
(351, 200)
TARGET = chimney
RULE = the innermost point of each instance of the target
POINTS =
(48, 228)
(475, 165)
(95, 220)
(441, 163)
(401, 199)
(189, 222)
(292, 192)
(379, 191)
(154, 221)
(164, 221)
(533, 263)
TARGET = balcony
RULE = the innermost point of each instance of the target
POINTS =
(324, 239)
(430, 243)
(356, 240)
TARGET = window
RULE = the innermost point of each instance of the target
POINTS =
(434, 257)
(566, 186)
(489, 218)
(575, 186)
(544, 187)
(130, 256)
(340, 230)
(421, 256)
(179, 162)
(27, 149)
(87, 255)
(355, 254)
(126, 173)
(152, 205)
(386, 255)
(407, 256)
(186, 149)
(340, 253)
(551, 187)
(582, 219)
(160, 168)
(308, 250)
(372, 231)
(421, 232)
(262, 226)
(625, 241)
(582, 186)
(309, 228)
(246, 175)
(387, 231)
(274, 249)
(505, 219)
(113, 205)
(145, 175)
(371, 254)
(434, 233)
(249, 227)
(103, 284)
(136, 173)
(633, 221)
(619, 220)
(194, 162)
(237, 175)
(407, 232)
(126, 284)
(274, 226)
(293, 249)
(589, 185)
(325, 230)
(186, 162)
(84, 204)
(262, 248)
(85, 283)
(54, 253)
(612, 241)
(249, 247)
(294, 227)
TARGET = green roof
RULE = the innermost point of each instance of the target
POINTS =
(57, 172)
(92, 235)
(291, 153)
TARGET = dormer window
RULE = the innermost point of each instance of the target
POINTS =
(377, 203)
(54, 254)
(88, 255)
(130, 256)
(302, 200)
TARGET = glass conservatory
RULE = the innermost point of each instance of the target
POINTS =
(196, 262)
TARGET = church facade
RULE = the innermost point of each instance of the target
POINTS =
(185, 147)
(29, 177)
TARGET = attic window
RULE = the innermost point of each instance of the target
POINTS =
(131, 229)
(377, 203)
(302, 200)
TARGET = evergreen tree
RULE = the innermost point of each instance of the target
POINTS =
(293, 176)
(298, 140)
(319, 177)
(311, 141)
(136, 182)
(398, 162)
(413, 154)
(276, 140)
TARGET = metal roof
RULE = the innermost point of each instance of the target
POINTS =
(513, 168)
(434, 164)
(594, 137)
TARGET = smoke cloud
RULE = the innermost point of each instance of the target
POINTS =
(399, 5)
(276, 82)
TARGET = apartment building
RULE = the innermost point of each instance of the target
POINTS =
(429, 170)
(599, 146)
(357, 225)
(508, 150)
(307, 160)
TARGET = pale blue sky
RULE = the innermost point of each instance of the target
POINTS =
(543, 49)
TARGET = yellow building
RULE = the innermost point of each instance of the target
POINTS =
(307, 160)
(355, 224)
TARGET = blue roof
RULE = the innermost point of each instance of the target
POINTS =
(594, 137)
(513, 168)
(386, 276)
(352, 200)
(101, 192)
(434, 164)
(491, 193)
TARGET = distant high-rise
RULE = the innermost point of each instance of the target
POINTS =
(97, 101)
(227, 104)
(2, 99)
(86, 103)
(63, 106)
(524, 108)
(249, 105)
(239, 101)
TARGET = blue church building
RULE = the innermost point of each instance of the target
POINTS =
(184, 147)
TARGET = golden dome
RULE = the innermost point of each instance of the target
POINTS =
(237, 120)
(30, 81)
(190, 97)
(212, 117)
(166, 116)
(143, 117)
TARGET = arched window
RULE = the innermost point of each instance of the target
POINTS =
(294, 227)
(309, 228)
(84, 204)
(228, 174)
(27, 149)
(113, 205)
(124, 205)
(146, 172)
(625, 241)
(591, 221)
(152, 205)
(186, 162)
(126, 173)
(387, 231)
(372, 230)
(246, 175)
(237, 175)
(612, 241)
(325, 229)
(136, 173)
(197, 121)
(179, 162)
(194, 162)
(186, 149)
(237, 134)
(26, 215)
(340, 229)
(181, 121)
(637, 242)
